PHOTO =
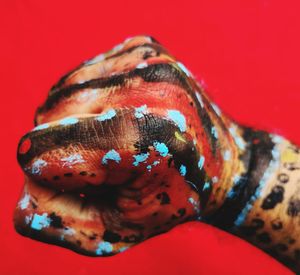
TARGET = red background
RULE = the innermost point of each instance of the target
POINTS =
(247, 52)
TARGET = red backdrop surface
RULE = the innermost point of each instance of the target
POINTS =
(247, 52)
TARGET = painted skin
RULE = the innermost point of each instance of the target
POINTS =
(128, 145)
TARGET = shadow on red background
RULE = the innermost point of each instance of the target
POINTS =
(246, 51)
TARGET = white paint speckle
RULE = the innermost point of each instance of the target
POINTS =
(183, 68)
(127, 39)
(142, 65)
(238, 140)
(36, 168)
(276, 138)
(118, 47)
(156, 162)
(69, 231)
(96, 59)
(71, 160)
(194, 204)
(24, 202)
(28, 219)
(215, 179)
(199, 97)
(90, 94)
(227, 155)
(216, 109)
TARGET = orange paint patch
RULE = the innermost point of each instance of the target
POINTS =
(25, 146)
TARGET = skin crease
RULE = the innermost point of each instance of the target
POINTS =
(128, 145)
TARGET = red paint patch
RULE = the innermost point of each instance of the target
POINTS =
(25, 146)
(256, 141)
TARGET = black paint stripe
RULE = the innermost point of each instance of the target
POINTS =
(91, 134)
(153, 73)
(156, 47)
(257, 159)
(162, 72)
(88, 133)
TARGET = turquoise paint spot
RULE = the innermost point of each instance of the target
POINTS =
(104, 248)
(140, 110)
(149, 167)
(36, 168)
(230, 194)
(111, 155)
(161, 148)
(214, 132)
(40, 221)
(68, 121)
(234, 191)
(201, 162)
(178, 118)
(140, 158)
(107, 115)
(206, 186)
(182, 170)
(241, 218)
(123, 248)
(41, 127)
